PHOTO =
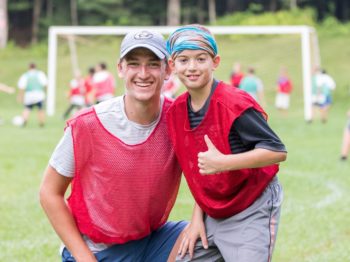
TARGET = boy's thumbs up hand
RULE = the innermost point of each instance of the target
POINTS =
(208, 162)
(209, 144)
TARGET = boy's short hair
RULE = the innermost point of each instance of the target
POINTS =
(192, 37)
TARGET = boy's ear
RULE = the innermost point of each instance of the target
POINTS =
(170, 68)
(216, 62)
(168, 71)
(171, 64)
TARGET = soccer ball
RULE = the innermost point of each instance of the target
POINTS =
(18, 121)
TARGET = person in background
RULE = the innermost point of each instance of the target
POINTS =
(89, 87)
(236, 75)
(76, 94)
(345, 148)
(32, 85)
(104, 83)
(171, 86)
(6, 89)
(253, 86)
(322, 86)
(229, 156)
(123, 171)
(284, 89)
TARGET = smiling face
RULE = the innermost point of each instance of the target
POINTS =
(144, 74)
(195, 68)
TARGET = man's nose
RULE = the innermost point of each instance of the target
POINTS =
(143, 71)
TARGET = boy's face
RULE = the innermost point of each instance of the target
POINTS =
(195, 68)
(144, 74)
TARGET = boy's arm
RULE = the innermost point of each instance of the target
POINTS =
(52, 190)
(213, 161)
(195, 230)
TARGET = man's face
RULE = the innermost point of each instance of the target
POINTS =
(144, 74)
(195, 68)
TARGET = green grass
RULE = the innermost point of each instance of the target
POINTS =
(316, 184)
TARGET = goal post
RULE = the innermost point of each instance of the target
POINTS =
(309, 56)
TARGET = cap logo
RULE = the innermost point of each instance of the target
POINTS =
(143, 35)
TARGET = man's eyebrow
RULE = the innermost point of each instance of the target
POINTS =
(128, 58)
(134, 57)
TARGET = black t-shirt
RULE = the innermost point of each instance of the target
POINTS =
(249, 131)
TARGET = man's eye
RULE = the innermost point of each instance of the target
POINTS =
(154, 65)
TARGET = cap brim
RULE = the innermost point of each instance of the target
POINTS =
(154, 50)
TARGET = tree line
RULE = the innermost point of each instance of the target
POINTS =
(27, 21)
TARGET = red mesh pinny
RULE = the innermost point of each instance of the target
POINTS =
(227, 193)
(121, 192)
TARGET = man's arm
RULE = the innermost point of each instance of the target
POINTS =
(52, 190)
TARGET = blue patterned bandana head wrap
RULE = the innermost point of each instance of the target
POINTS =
(193, 37)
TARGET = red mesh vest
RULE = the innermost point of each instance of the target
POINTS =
(121, 192)
(225, 194)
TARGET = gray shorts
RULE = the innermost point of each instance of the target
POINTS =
(248, 236)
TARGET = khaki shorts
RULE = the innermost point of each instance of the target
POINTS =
(248, 236)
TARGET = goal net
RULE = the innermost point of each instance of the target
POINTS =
(266, 48)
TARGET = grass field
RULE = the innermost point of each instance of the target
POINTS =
(314, 223)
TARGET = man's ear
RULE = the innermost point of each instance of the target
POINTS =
(216, 62)
(120, 69)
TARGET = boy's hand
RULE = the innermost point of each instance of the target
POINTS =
(191, 234)
(209, 161)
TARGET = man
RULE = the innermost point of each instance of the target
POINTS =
(123, 170)
(32, 86)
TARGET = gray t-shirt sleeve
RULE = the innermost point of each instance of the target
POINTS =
(62, 159)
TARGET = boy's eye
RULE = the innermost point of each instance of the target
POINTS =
(201, 59)
(182, 60)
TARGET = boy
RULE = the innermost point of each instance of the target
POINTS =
(228, 154)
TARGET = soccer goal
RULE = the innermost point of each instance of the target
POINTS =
(306, 45)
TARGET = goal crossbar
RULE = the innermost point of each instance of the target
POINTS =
(307, 34)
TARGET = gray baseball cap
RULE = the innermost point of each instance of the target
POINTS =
(144, 38)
